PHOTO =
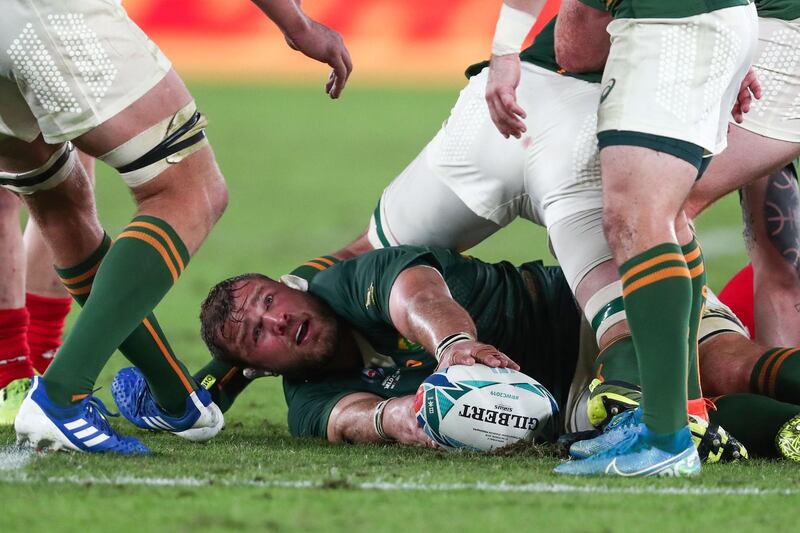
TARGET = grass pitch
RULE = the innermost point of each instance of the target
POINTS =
(304, 175)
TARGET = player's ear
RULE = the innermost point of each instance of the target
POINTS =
(294, 282)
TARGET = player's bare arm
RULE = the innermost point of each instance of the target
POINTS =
(313, 39)
(423, 310)
(513, 25)
(353, 419)
(582, 43)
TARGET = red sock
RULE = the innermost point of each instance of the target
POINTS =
(47, 324)
(14, 360)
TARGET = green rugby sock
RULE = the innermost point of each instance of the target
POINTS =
(617, 362)
(118, 287)
(223, 381)
(658, 297)
(777, 374)
(754, 420)
(693, 256)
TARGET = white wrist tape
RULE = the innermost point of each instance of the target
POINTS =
(450, 340)
(377, 420)
(513, 25)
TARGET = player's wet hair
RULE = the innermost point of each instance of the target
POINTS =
(217, 309)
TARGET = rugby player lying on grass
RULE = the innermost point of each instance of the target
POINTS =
(347, 335)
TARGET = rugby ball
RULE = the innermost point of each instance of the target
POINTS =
(482, 408)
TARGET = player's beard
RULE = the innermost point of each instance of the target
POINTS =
(323, 355)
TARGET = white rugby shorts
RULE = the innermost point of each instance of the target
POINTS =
(469, 180)
(677, 78)
(777, 64)
(68, 65)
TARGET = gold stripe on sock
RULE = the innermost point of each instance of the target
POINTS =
(156, 245)
(696, 271)
(227, 377)
(324, 260)
(655, 277)
(82, 277)
(773, 374)
(168, 357)
(163, 234)
(694, 254)
(86, 289)
(651, 263)
(315, 265)
(762, 375)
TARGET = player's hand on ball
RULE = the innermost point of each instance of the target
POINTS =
(750, 88)
(471, 352)
(400, 423)
(319, 42)
(501, 95)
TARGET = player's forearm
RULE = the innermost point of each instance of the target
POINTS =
(515, 21)
(431, 319)
(352, 420)
(581, 40)
(286, 14)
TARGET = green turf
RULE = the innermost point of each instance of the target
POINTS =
(304, 175)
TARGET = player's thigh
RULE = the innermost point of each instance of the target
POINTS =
(468, 154)
(562, 169)
(749, 156)
(418, 208)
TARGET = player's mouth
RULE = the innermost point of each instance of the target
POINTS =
(302, 333)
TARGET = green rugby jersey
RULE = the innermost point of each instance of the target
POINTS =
(642, 9)
(527, 312)
(542, 53)
(779, 9)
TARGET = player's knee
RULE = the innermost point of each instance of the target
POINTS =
(160, 148)
(218, 197)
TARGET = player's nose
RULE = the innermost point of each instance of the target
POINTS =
(278, 323)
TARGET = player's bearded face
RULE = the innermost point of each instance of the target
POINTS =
(281, 330)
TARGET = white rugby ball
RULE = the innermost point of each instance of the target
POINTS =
(482, 408)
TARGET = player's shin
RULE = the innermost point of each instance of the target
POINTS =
(118, 287)
(658, 294)
(693, 256)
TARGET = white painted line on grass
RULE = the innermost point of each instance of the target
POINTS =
(13, 458)
(535, 488)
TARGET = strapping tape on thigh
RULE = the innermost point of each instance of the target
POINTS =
(718, 318)
(152, 151)
(47, 176)
(605, 308)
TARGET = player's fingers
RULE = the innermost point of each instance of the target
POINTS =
(737, 114)
(510, 103)
(496, 116)
(463, 359)
(509, 363)
(348, 63)
(340, 76)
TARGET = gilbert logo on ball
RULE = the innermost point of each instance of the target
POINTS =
(482, 408)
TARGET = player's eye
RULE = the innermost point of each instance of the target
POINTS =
(268, 301)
